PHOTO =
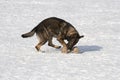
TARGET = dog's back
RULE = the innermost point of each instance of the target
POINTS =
(56, 26)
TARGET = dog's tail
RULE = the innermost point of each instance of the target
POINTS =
(29, 34)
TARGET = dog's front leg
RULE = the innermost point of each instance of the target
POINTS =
(64, 49)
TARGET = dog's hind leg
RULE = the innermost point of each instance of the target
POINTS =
(40, 44)
(52, 45)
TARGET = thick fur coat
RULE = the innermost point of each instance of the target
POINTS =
(58, 28)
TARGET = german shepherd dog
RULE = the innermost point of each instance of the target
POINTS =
(58, 28)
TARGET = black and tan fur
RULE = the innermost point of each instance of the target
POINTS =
(58, 28)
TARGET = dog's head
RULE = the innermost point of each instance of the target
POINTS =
(73, 40)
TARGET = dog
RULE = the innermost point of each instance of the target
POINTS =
(58, 28)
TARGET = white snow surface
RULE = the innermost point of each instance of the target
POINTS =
(99, 57)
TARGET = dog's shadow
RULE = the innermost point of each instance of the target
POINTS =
(88, 48)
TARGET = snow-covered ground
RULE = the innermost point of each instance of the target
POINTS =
(98, 20)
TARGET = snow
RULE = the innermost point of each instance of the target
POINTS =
(98, 20)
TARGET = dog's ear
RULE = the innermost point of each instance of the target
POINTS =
(81, 36)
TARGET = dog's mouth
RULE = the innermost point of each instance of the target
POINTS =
(73, 41)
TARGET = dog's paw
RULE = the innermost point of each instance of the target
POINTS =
(75, 50)
(64, 50)
(57, 47)
(38, 49)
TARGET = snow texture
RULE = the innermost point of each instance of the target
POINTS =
(98, 20)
